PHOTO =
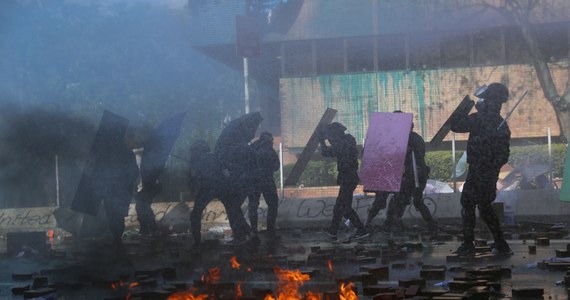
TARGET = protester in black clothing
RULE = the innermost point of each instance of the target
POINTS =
(115, 182)
(205, 180)
(487, 151)
(267, 164)
(409, 188)
(343, 147)
(237, 183)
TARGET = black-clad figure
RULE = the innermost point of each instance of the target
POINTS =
(408, 189)
(237, 183)
(116, 181)
(343, 147)
(487, 151)
(205, 179)
(143, 199)
(267, 164)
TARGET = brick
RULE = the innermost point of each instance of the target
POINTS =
(376, 289)
(531, 249)
(433, 272)
(562, 253)
(29, 294)
(412, 290)
(528, 292)
(409, 282)
(462, 286)
(20, 289)
(380, 272)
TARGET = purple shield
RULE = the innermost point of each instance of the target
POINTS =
(385, 151)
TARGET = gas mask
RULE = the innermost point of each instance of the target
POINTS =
(480, 104)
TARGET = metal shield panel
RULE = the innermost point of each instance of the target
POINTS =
(385, 151)
(112, 129)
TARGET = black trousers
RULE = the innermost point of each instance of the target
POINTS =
(398, 205)
(233, 195)
(343, 207)
(145, 214)
(479, 191)
(116, 207)
(269, 191)
(204, 196)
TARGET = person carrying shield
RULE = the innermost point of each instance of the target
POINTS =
(267, 163)
(487, 151)
(343, 147)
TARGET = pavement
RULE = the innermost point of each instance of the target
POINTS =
(157, 268)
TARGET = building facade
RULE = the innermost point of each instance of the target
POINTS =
(420, 57)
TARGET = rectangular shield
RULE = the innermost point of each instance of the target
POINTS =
(385, 151)
(463, 108)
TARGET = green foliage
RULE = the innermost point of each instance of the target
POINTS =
(317, 173)
(441, 163)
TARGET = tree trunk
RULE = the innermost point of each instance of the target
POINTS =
(544, 76)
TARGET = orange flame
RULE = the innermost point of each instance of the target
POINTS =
(187, 295)
(239, 293)
(347, 292)
(234, 262)
(51, 234)
(116, 285)
(134, 284)
(330, 265)
(288, 285)
(312, 296)
(214, 275)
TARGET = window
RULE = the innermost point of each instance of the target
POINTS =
(516, 49)
(330, 56)
(360, 54)
(424, 51)
(488, 47)
(552, 40)
(455, 51)
(391, 52)
(298, 58)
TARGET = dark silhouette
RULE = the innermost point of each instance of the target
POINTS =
(343, 147)
(205, 180)
(267, 163)
(487, 151)
(115, 182)
(237, 160)
(155, 154)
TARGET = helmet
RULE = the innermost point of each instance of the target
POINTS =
(336, 127)
(494, 92)
(266, 137)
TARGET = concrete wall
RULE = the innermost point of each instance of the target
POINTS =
(302, 212)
